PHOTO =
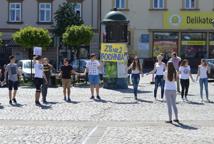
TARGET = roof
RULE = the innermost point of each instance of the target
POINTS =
(115, 16)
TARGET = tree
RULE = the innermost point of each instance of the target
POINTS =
(78, 35)
(66, 16)
(1, 42)
(29, 37)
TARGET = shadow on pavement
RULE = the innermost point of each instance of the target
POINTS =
(195, 103)
(18, 105)
(1, 107)
(184, 126)
(52, 103)
(45, 107)
(129, 90)
(73, 102)
(146, 101)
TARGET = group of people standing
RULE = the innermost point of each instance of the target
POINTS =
(42, 76)
(169, 77)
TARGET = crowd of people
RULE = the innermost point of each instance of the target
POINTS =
(169, 76)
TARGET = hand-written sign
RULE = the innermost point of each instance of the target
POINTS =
(113, 52)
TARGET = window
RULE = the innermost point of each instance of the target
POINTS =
(45, 12)
(189, 4)
(77, 8)
(120, 4)
(15, 12)
(158, 4)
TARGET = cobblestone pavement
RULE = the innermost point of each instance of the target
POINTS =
(118, 118)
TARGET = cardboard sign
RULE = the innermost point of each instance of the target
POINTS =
(37, 51)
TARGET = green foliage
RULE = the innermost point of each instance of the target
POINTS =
(32, 36)
(78, 35)
(1, 42)
(66, 16)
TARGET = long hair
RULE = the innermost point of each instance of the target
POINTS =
(171, 72)
(136, 65)
(183, 63)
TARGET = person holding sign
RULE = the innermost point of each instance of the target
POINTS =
(135, 74)
(38, 78)
(92, 67)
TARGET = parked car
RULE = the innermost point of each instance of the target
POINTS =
(211, 65)
(79, 65)
(25, 67)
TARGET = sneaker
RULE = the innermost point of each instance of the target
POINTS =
(168, 121)
(186, 99)
(135, 97)
(10, 102)
(14, 100)
(37, 103)
(208, 100)
(202, 101)
(176, 120)
(64, 98)
(44, 102)
(92, 97)
(69, 99)
(98, 97)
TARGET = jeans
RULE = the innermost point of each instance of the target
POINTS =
(203, 83)
(184, 87)
(159, 81)
(135, 82)
(171, 103)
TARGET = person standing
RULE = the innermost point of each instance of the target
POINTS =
(136, 70)
(47, 71)
(92, 67)
(170, 91)
(38, 78)
(158, 70)
(11, 74)
(176, 62)
(203, 69)
(65, 72)
(184, 74)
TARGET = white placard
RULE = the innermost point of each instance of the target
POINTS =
(37, 51)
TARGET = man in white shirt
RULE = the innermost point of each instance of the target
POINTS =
(92, 67)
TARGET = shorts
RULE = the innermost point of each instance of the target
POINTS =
(66, 83)
(13, 85)
(38, 83)
(94, 79)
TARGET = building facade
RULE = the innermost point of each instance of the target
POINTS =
(16, 14)
(163, 26)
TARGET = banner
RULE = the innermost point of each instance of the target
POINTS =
(199, 43)
(113, 52)
(188, 20)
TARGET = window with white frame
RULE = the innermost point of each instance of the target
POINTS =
(77, 8)
(45, 12)
(15, 12)
(158, 4)
(189, 4)
(120, 4)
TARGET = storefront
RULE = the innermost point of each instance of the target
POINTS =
(187, 33)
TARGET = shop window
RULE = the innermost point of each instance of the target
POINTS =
(78, 9)
(165, 43)
(193, 47)
(211, 45)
